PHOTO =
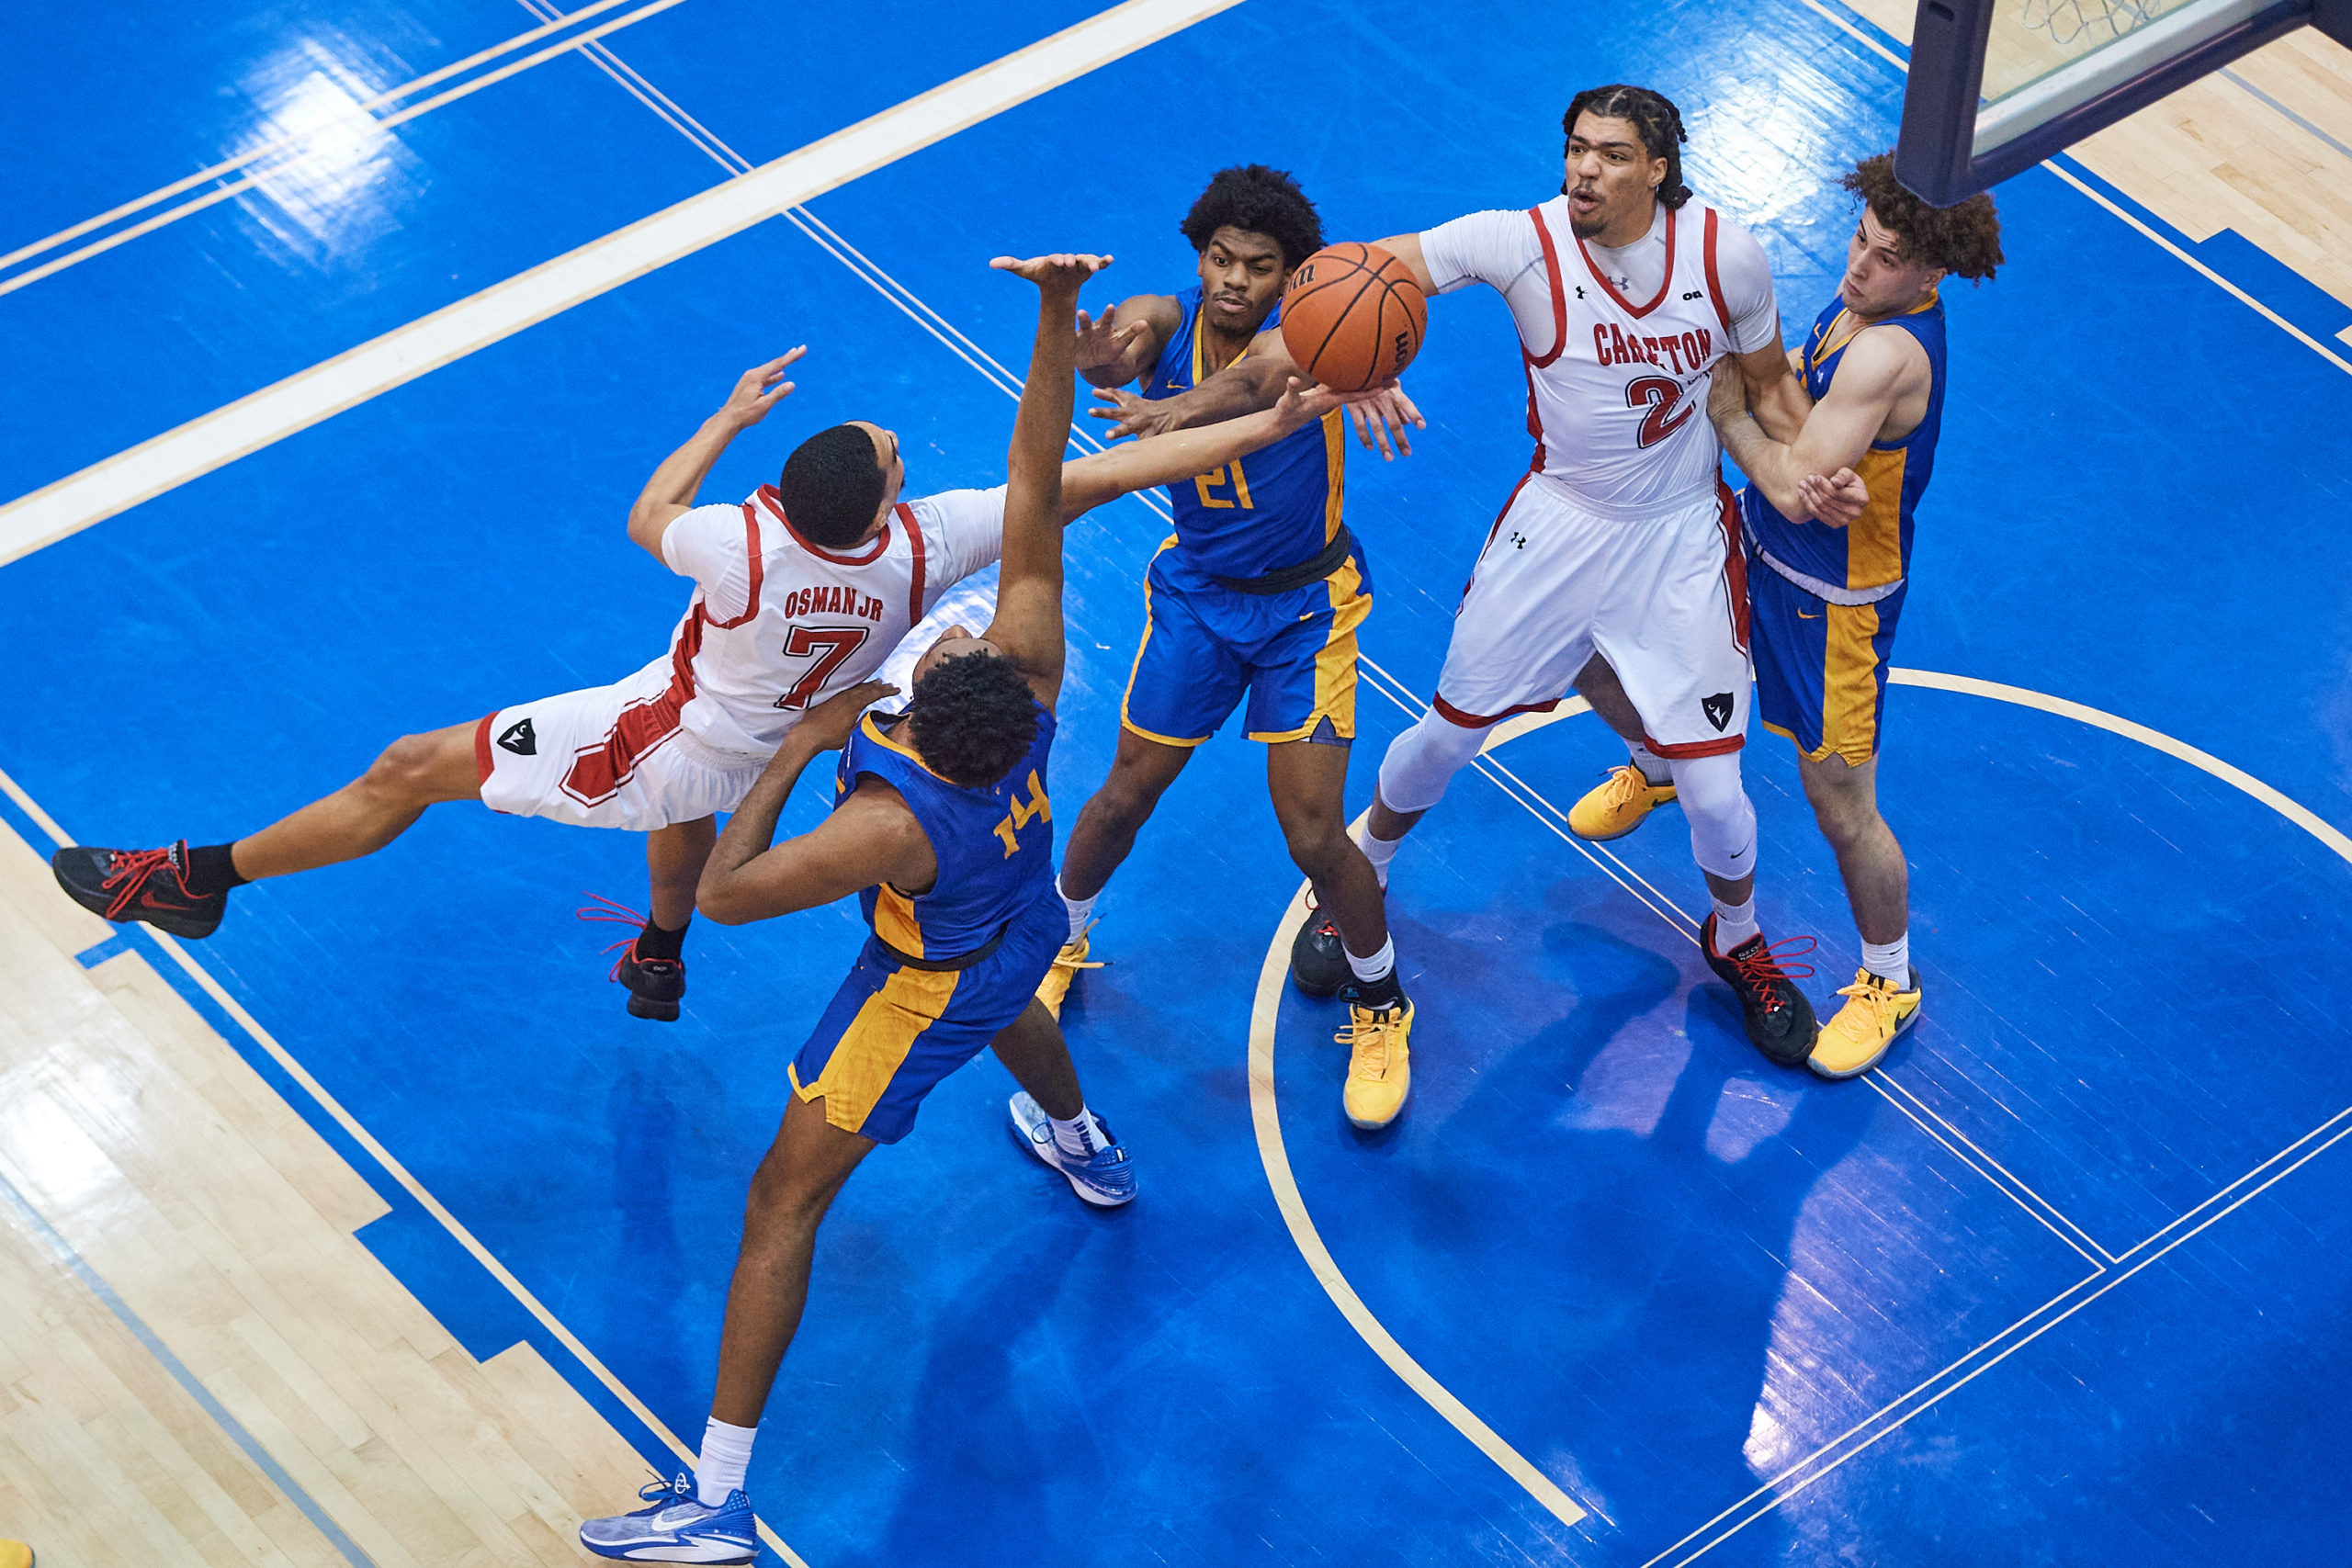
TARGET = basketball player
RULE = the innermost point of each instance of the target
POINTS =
(800, 592)
(1620, 540)
(1827, 600)
(941, 824)
(1260, 592)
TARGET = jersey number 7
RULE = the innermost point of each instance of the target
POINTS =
(832, 644)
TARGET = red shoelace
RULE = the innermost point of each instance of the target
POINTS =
(1768, 969)
(616, 913)
(132, 871)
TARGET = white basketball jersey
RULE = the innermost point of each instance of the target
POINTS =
(1618, 406)
(808, 622)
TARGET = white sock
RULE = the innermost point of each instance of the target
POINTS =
(726, 1455)
(1654, 767)
(1890, 960)
(1379, 967)
(1379, 852)
(1080, 1137)
(1735, 923)
(1081, 910)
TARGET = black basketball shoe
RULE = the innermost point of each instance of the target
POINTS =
(655, 986)
(1780, 1021)
(1318, 964)
(139, 884)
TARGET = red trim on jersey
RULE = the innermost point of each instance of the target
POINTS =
(1695, 747)
(483, 761)
(1673, 225)
(598, 771)
(914, 543)
(1559, 295)
(752, 549)
(1735, 562)
(776, 504)
(1714, 284)
(1452, 715)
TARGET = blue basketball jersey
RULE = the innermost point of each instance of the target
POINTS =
(1875, 550)
(995, 845)
(1277, 508)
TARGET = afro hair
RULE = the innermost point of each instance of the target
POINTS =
(1257, 200)
(973, 717)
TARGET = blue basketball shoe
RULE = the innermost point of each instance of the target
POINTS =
(676, 1528)
(1104, 1179)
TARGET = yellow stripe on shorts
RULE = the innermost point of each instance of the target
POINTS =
(874, 1046)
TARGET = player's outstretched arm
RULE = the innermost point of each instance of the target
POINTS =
(1181, 453)
(1253, 384)
(670, 493)
(1028, 624)
(870, 839)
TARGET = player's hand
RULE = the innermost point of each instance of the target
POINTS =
(1381, 414)
(1726, 392)
(759, 389)
(1302, 404)
(829, 725)
(1060, 272)
(1135, 415)
(1101, 345)
(1839, 501)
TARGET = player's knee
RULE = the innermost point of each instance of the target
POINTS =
(1420, 762)
(1723, 820)
(406, 770)
(1124, 803)
(782, 1204)
(1318, 842)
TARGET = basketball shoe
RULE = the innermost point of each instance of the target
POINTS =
(656, 986)
(1318, 962)
(676, 1527)
(1106, 1177)
(1380, 1067)
(1055, 987)
(1875, 1016)
(139, 884)
(1617, 805)
(15, 1554)
(1780, 1021)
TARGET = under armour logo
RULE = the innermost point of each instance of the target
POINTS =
(1579, 290)
(1696, 294)
(1717, 708)
(519, 740)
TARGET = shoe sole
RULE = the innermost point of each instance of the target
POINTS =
(171, 925)
(1086, 1195)
(1900, 1030)
(661, 1013)
(1320, 994)
(1362, 1126)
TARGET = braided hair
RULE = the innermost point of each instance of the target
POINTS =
(1655, 119)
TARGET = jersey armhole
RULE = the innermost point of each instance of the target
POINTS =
(1559, 296)
(915, 546)
(1715, 283)
(752, 551)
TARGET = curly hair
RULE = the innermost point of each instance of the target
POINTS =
(1656, 120)
(972, 718)
(1965, 241)
(1256, 201)
(831, 486)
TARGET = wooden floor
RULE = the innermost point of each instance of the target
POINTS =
(2260, 147)
(158, 1166)
(223, 1223)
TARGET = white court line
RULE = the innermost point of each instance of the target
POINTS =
(400, 355)
(174, 214)
(2095, 1255)
(1903, 65)
(1890, 1083)
(363, 111)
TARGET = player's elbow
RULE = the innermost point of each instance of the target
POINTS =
(721, 902)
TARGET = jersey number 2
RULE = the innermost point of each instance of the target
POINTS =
(1023, 813)
(1661, 421)
(832, 644)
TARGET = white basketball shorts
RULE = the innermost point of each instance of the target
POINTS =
(1662, 598)
(608, 757)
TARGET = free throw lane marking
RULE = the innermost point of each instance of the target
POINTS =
(503, 310)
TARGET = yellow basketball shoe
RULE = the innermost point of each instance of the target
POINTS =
(1874, 1017)
(1615, 806)
(1380, 1067)
(1054, 986)
(15, 1554)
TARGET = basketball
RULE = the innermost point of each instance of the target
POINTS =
(1352, 316)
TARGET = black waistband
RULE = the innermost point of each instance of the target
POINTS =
(1325, 563)
(961, 960)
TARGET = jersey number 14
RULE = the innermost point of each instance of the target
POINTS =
(1023, 813)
